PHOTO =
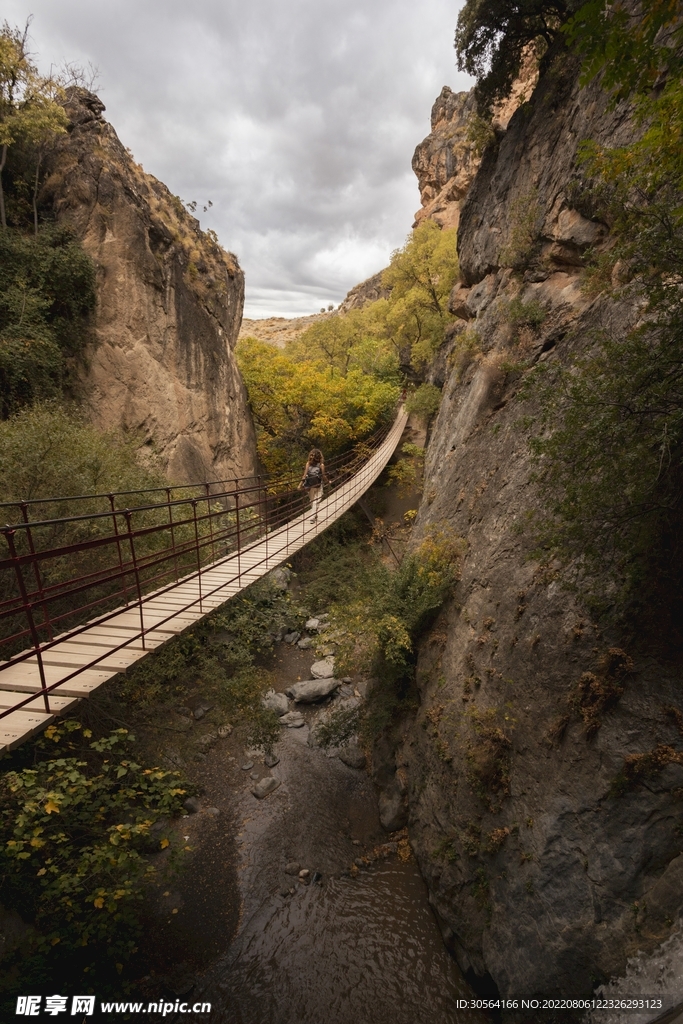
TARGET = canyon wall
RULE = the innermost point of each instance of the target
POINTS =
(447, 161)
(545, 875)
(169, 306)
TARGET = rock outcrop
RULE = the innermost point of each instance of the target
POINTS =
(545, 874)
(447, 161)
(364, 293)
(168, 311)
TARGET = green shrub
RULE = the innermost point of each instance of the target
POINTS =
(380, 624)
(525, 314)
(407, 472)
(48, 451)
(47, 291)
(75, 833)
(480, 132)
(523, 236)
(424, 401)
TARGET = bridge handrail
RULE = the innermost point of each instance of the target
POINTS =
(229, 523)
(228, 485)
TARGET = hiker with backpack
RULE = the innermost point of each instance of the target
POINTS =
(313, 479)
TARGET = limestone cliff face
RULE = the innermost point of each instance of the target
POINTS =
(447, 161)
(544, 878)
(168, 311)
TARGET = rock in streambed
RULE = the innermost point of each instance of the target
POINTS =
(312, 690)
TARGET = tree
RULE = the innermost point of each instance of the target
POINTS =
(30, 110)
(347, 341)
(47, 290)
(297, 404)
(631, 47)
(492, 35)
(420, 276)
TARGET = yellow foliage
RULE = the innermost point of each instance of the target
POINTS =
(297, 404)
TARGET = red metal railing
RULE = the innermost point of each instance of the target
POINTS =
(65, 574)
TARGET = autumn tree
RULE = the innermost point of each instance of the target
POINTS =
(420, 276)
(389, 335)
(297, 404)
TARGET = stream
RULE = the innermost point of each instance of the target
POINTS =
(364, 949)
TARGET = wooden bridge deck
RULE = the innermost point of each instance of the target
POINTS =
(82, 662)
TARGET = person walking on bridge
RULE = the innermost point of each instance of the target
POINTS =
(313, 479)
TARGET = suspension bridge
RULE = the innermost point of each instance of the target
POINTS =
(91, 584)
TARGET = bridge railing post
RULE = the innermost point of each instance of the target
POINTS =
(265, 511)
(28, 611)
(196, 544)
(239, 535)
(209, 514)
(118, 546)
(129, 520)
(171, 524)
(36, 570)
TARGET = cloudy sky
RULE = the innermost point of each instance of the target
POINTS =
(297, 118)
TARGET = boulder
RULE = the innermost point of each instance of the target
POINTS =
(265, 787)
(352, 756)
(312, 690)
(323, 669)
(393, 812)
(293, 720)
(312, 623)
(276, 702)
(280, 578)
(305, 643)
(291, 638)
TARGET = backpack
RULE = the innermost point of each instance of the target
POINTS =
(314, 477)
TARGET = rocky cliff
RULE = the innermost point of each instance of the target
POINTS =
(447, 161)
(364, 293)
(168, 311)
(545, 875)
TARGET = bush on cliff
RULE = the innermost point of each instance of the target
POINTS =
(382, 615)
(47, 291)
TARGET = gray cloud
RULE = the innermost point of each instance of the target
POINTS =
(298, 120)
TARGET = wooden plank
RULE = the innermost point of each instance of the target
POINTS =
(73, 656)
(58, 704)
(25, 678)
(20, 726)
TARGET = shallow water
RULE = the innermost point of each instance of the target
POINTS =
(351, 950)
(364, 950)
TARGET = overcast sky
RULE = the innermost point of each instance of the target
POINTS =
(297, 118)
